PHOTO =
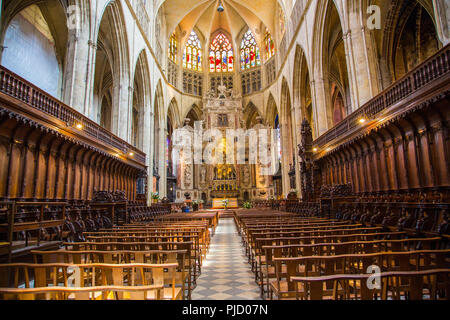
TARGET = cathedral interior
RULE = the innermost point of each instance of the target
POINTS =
(167, 120)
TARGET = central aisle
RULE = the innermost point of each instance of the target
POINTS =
(226, 275)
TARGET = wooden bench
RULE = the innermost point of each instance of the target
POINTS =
(80, 293)
(415, 285)
(182, 275)
(94, 274)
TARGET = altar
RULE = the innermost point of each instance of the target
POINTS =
(232, 203)
(223, 177)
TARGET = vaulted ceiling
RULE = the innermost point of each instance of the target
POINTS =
(204, 17)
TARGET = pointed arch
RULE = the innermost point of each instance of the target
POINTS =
(329, 54)
(302, 88)
(194, 113)
(272, 113)
(141, 100)
(221, 53)
(193, 53)
(36, 31)
(409, 38)
(173, 113)
(112, 67)
(249, 52)
(251, 113)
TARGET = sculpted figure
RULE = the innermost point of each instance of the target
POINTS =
(405, 220)
(444, 226)
(203, 175)
(423, 222)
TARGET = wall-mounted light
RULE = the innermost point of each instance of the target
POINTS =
(315, 149)
(131, 154)
(79, 126)
(362, 120)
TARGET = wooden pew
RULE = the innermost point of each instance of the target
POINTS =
(287, 268)
(416, 285)
(275, 255)
(190, 261)
(95, 274)
(80, 293)
(182, 274)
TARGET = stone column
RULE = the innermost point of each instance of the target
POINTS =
(298, 118)
(361, 62)
(319, 105)
(286, 157)
(121, 105)
(150, 152)
(162, 160)
(442, 15)
(78, 70)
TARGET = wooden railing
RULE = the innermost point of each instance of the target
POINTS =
(13, 85)
(423, 75)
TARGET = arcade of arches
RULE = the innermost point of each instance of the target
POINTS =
(94, 95)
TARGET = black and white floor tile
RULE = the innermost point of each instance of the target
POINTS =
(226, 274)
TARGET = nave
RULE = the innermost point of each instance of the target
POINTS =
(260, 253)
(223, 149)
(226, 273)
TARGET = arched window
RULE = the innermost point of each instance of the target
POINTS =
(250, 56)
(173, 48)
(192, 57)
(270, 45)
(31, 51)
(221, 57)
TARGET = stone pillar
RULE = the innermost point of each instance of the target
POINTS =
(286, 158)
(150, 137)
(121, 105)
(297, 140)
(319, 105)
(442, 15)
(162, 170)
(361, 62)
(78, 70)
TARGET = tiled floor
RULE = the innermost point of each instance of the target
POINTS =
(226, 275)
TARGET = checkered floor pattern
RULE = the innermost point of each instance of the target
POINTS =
(226, 274)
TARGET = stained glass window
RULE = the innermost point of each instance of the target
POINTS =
(270, 45)
(250, 56)
(173, 48)
(221, 56)
(192, 57)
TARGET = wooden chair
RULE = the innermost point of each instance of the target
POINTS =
(91, 275)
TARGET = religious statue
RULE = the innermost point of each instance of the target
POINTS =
(390, 219)
(444, 226)
(366, 216)
(246, 175)
(356, 216)
(405, 220)
(187, 175)
(423, 222)
(203, 175)
(377, 218)
(262, 180)
(348, 214)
